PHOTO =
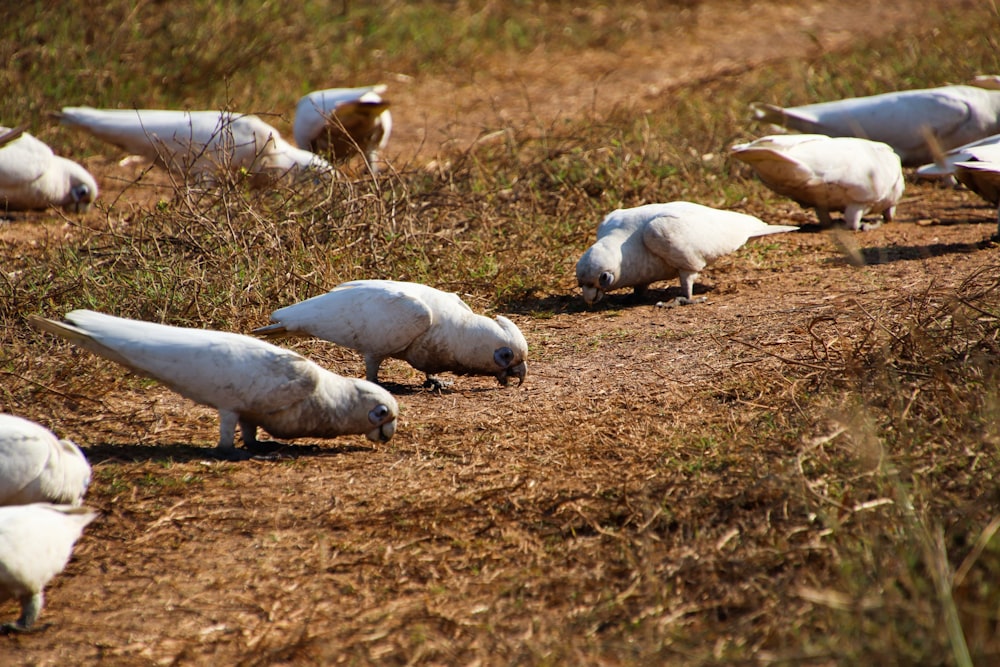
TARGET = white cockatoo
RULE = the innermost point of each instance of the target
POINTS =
(200, 144)
(36, 466)
(856, 176)
(639, 246)
(433, 331)
(36, 542)
(247, 380)
(33, 177)
(340, 122)
(981, 174)
(952, 115)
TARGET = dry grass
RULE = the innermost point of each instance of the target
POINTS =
(802, 470)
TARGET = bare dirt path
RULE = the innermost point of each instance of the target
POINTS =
(709, 39)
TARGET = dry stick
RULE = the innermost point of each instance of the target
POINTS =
(71, 397)
(779, 357)
(11, 135)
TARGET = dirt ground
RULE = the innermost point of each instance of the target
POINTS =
(345, 551)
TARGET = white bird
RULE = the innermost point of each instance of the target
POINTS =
(943, 167)
(338, 122)
(247, 380)
(981, 174)
(433, 331)
(33, 177)
(856, 176)
(202, 144)
(36, 542)
(36, 466)
(642, 245)
(954, 115)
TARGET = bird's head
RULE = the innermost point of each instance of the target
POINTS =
(597, 271)
(82, 189)
(593, 291)
(382, 415)
(511, 359)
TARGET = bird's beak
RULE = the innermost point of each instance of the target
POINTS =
(518, 371)
(383, 433)
(592, 295)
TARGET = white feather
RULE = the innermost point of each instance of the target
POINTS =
(33, 177)
(203, 144)
(36, 542)
(954, 115)
(639, 246)
(338, 121)
(247, 380)
(944, 166)
(36, 466)
(847, 174)
(981, 174)
(433, 331)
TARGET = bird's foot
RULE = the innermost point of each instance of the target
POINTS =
(436, 383)
(681, 301)
(14, 628)
(869, 226)
(232, 454)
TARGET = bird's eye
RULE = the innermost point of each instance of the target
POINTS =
(378, 413)
(80, 193)
(503, 357)
(606, 279)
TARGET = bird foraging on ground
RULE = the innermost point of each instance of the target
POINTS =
(36, 542)
(846, 174)
(340, 122)
(36, 466)
(200, 144)
(33, 177)
(639, 246)
(249, 381)
(433, 331)
(951, 115)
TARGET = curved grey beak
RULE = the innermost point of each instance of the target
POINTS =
(518, 371)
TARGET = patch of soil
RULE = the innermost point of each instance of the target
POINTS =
(483, 533)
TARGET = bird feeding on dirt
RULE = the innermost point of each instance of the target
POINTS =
(951, 115)
(856, 176)
(340, 122)
(36, 466)
(249, 381)
(200, 144)
(33, 177)
(639, 246)
(36, 542)
(981, 174)
(433, 331)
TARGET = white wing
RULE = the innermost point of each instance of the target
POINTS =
(224, 370)
(196, 142)
(946, 165)
(830, 172)
(953, 114)
(375, 317)
(691, 236)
